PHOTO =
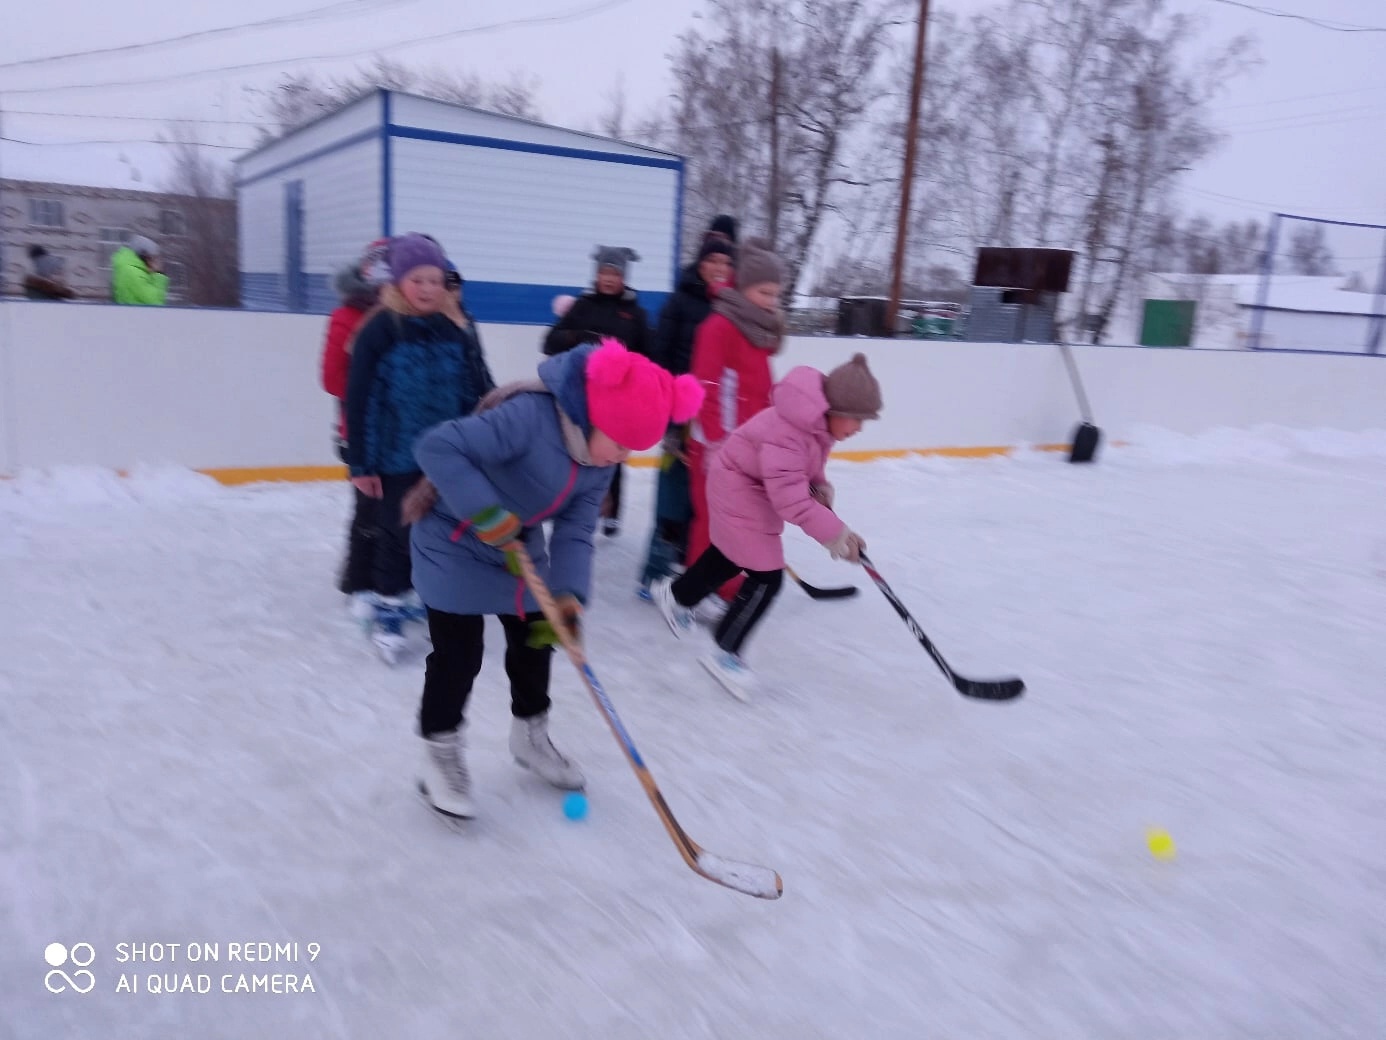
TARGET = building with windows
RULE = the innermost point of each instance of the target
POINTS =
(85, 225)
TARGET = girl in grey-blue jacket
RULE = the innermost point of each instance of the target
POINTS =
(535, 453)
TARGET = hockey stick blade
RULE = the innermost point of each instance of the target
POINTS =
(842, 592)
(747, 878)
(979, 689)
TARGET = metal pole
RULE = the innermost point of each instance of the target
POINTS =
(1258, 316)
(907, 179)
(774, 201)
(1378, 309)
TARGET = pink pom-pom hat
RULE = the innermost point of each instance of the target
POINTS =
(632, 400)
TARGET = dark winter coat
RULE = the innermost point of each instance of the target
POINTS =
(594, 315)
(679, 319)
(527, 455)
(37, 287)
(408, 373)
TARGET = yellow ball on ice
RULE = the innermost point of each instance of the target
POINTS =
(1161, 844)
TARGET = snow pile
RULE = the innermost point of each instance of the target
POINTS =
(1157, 446)
(95, 487)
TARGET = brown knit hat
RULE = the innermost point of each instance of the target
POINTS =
(852, 390)
(756, 264)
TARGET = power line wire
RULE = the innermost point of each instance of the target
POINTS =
(1257, 205)
(1310, 125)
(124, 140)
(144, 119)
(568, 16)
(266, 123)
(1271, 122)
(1302, 97)
(316, 14)
(1319, 23)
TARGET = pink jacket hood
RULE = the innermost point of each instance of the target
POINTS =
(798, 398)
(761, 477)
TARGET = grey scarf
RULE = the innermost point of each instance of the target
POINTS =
(765, 329)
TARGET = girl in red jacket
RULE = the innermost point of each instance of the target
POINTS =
(358, 286)
(731, 358)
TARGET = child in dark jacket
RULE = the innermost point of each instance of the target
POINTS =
(534, 452)
(417, 362)
(610, 308)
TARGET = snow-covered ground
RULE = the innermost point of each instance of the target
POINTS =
(196, 745)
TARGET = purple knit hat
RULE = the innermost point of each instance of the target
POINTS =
(407, 252)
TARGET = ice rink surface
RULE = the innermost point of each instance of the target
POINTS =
(198, 746)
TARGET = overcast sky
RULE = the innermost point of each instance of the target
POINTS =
(1306, 125)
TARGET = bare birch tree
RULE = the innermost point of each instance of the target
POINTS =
(298, 98)
(773, 105)
(205, 245)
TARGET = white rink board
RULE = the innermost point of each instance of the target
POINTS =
(119, 386)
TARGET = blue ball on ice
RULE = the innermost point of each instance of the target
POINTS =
(575, 805)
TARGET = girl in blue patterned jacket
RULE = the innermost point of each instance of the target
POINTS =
(415, 363)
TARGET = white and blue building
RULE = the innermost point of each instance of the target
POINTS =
(518, 206)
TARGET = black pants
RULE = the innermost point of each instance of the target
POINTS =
(453, 665)
(710, 571)
(611, 505)
(391, 570)
(358, 568)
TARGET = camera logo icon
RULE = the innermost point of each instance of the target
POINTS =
(79, 957)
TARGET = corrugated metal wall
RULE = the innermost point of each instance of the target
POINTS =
(341, 213)
(519, 206)
(522, 226)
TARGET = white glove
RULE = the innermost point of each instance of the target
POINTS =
(823, 492)
(847, 546)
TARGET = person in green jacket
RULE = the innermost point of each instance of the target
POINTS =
(135, 274)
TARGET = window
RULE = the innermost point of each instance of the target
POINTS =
(171, 222)
(46, 213)
(177, 277)
(111, 240)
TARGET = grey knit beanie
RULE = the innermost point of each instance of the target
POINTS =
(618, 257)
(852, 390)
(757, 265)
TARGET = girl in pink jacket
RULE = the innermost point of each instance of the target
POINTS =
(770, 471)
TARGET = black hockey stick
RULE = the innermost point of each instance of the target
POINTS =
(985, 690)
(748, 878)
(839, 592)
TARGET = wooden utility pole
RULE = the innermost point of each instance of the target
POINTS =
(907, 179)
(773, 216)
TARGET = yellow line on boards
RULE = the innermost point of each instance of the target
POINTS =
(233, 476)
(264, 474)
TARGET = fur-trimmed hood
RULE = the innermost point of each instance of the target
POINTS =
(354, 290)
